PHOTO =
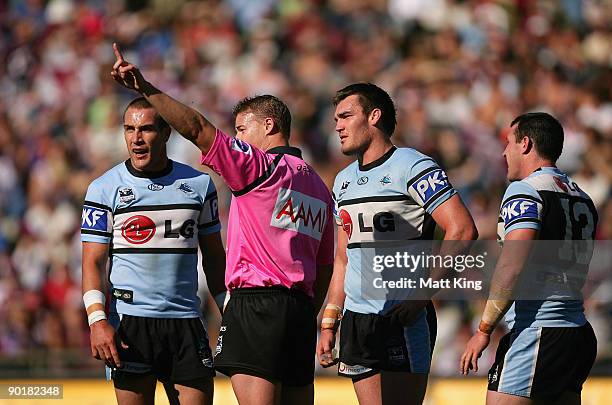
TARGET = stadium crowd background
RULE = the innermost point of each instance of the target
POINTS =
(459, 71)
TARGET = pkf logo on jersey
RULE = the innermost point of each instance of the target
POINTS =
(519, 208)
(299, 212)
(94, 219)
(138, 229)
(429, 184)
(347, 222)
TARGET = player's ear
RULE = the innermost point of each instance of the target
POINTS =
(269, 126)
(374, 117)
(526, 145)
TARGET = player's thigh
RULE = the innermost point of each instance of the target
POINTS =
(499, 398)
(391, 388)
(193, 392)
(135, 389)
(297, 395)
(253, 390)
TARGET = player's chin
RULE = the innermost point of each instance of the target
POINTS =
(140, 162)
(347, 150)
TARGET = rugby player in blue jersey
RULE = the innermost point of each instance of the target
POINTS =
(550, 349)
(145, 219)
(387, 194)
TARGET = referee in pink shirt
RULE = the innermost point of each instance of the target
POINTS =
(279, 243)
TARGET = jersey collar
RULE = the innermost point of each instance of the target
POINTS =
(149, 175)
(378, 161)
(286, 150)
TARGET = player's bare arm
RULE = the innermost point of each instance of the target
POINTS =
(335, 303)
(214, 267)
(192, 125)
(509, 266)
(103, 336)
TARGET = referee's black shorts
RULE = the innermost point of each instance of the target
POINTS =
(268, 332)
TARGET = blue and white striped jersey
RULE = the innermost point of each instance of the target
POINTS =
(152, 225)
(388, 200)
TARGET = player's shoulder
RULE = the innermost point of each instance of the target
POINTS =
(410, 156)
(521, 189)
(346, 174)
(108, 178)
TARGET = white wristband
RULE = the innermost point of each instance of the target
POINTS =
(93, 297)
(96, 316)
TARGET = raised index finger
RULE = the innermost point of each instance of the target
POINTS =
(118, 54)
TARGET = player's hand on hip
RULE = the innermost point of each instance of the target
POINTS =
(103, 343)
(407, 312)
(125, 73)
(325, 348)
(473, 351)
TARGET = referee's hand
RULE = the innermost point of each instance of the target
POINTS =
(103, 347)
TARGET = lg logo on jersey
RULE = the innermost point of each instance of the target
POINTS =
(140, 229)
(381, 222)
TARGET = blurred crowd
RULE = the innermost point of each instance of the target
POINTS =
(459, 72)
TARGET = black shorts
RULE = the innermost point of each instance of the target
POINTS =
(268, 332)
(370, 343)
(542, 363)
(172, 349)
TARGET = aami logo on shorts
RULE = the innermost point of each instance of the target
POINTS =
(138, 229)
(299, 212)
(519, 208)
(352, 370)
(347, 222)
(429, 184)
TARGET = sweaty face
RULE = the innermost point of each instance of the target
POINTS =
(352, 126)
(513, 153)
(251, 129)
(146, 144)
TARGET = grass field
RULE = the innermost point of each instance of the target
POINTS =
(328, 391)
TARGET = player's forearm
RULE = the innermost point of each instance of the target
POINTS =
(335, 294)
(214, 270)
(188, 122)
(95, 257)
(321, 285)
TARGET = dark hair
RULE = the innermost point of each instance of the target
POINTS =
(545, 132)
(267, 106)
(141, 103)
(371, 97)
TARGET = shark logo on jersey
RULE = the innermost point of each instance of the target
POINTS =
(126, 195)
(385, 180)
(185, 188)
(347, 222)
(519, 208)
(241, 146)
(94, 219)
(138, 229)
(429, 184)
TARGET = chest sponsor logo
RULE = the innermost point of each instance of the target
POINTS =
(519, 208)
(362, 180)
(126, 195)
(299, 212)
(429, 184)
(155, 187)
(94, 219)
(138, 229)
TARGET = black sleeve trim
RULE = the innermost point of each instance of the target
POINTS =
(424, 172)
(96, 205)
(525, 196)
(519, 220)
(97, 233)
(209, 224)
(435, 197)
(258, 181)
